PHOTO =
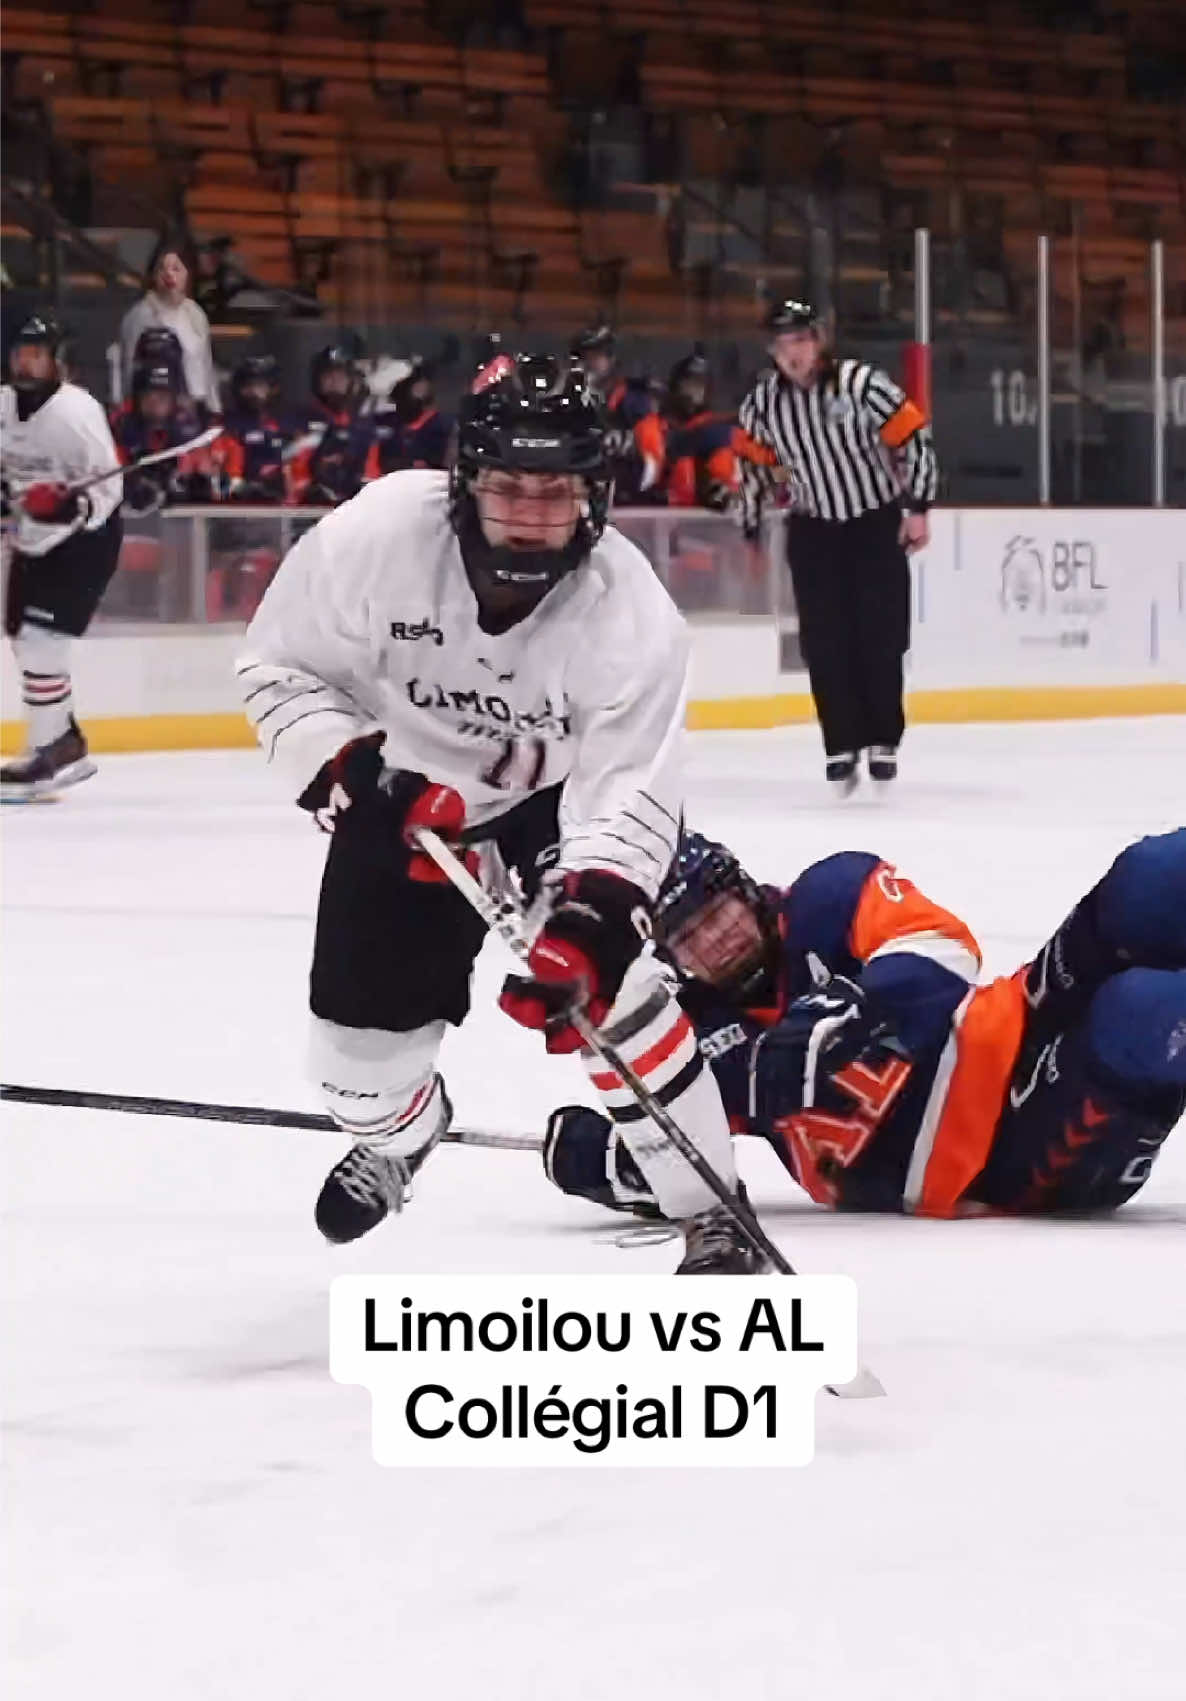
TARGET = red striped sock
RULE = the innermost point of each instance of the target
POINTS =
(50, 704)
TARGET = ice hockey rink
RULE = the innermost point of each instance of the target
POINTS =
(193, 1511)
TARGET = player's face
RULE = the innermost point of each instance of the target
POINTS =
(334, 385)
(31, 364)
(693, 394)
(171, 275)
(720, 942)
(598, 364)
(156, 406)
(795, 354)
(256, 394)
(528, 510)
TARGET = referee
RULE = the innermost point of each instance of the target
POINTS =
(858, 456)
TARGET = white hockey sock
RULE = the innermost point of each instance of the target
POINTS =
(655, 1037)
(44, 661)
(381, 1088)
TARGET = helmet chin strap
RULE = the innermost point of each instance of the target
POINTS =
(528, 570)
(529, 566)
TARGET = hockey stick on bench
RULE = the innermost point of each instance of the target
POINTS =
(506, 919)
(178, 449)
(256, 1115)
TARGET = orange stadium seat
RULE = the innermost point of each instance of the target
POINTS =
(376, 150)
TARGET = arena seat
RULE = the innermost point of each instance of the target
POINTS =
(312, 133)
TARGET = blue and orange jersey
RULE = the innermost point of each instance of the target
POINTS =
(421, 442)
(630, 411)
(189, 477)
(701, 461)
(628, 400)
(697, 462)
(904, 1127)
(250, 456)
(344, 457)
(135, 436)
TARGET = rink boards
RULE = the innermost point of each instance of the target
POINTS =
(1017, 614)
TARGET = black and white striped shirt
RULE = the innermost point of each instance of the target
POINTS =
(852, 442)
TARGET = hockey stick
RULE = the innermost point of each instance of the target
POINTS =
(257, 1115)
(506, 919)
(198, 442)
(300, 446)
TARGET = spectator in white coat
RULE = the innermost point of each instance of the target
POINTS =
(167, 302)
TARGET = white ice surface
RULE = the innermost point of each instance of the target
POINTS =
(192, 1508)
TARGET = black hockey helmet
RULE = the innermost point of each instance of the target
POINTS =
(42, 329)
(687, 384)
(255, 369)
(703, 871)
(413, 392)
(529, 413)
(154, 378)
(791, 315)
(595, 339)
(155, 348)
(159, 346)
(334, 357)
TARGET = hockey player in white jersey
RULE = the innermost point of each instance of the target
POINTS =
(65, 548)
(478, 653)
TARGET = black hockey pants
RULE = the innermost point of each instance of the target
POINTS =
(395, 953)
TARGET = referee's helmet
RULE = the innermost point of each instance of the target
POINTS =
(791, 315)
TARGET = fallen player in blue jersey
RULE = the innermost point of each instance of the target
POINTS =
(844, 1024)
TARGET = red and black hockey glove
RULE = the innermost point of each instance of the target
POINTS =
(596, 929)
(388, 803)
(52, 504)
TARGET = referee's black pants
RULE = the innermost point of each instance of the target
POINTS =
(852, 588)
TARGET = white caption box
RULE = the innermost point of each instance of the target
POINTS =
(582, 1370)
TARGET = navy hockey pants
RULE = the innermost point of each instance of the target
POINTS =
(1101, 1078)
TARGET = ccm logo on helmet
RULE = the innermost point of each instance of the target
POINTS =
(536, 442)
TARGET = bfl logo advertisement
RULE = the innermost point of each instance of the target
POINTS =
(583, 1371)
(1063, 579)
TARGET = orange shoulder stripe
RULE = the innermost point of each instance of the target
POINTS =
(987, 1043)
(901, 425)
(890, 907)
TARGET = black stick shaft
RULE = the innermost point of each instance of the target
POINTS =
(263, 1116)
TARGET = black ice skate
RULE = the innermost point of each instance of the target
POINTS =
(715, 1246)
(49, 769)
(883, 764)
(367, 1185)
(842, 773)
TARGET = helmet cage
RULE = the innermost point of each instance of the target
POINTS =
(535, 416)
(703, 871)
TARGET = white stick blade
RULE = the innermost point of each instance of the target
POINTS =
(864, 1386)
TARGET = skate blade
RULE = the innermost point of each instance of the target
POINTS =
(864, 1386)
(74, 773)
(645, 1234)
(25, 794)
(48, 791)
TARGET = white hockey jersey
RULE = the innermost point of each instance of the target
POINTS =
(65, 441)
(371, 623)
